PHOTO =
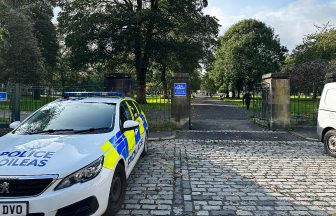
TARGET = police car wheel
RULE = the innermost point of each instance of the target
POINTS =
(330, 143)
(117, 191)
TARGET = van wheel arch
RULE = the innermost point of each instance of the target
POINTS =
(325, 131)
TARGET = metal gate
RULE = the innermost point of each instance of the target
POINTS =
(260, 101)
(158, 109)
(6, 105)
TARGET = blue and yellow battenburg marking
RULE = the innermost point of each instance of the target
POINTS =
(124, 145)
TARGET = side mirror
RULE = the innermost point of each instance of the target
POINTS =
(13, 125)
(130, 125)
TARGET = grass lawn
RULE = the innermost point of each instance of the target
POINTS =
(156, 103)
(29, 104)
(157, 109)
(305, 108)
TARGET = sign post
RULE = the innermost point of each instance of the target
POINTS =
(180, 111)
(3, 96)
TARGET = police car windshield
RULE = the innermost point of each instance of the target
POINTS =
(69, 117)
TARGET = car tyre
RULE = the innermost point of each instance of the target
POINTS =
(330, 143)
(117, 191)
(145, 149)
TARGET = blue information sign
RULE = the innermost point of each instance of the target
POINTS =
(3, 96)
(180, 89)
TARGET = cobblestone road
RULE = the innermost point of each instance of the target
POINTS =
(232, 167)
(185, 177)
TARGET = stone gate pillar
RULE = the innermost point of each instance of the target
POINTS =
(278, 100)
(180, 101)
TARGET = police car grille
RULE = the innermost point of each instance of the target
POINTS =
(25, 187)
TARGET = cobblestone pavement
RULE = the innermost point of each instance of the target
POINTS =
(229, 166)
(232, 177)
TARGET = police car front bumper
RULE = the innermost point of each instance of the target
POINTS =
(52, 203)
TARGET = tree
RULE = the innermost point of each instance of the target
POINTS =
(331, 72)
(22, 59)
(308, 77)
(320, 45)
(3, 39)
(195, 81)
(247, 50)
(40, 35)
(41, 13)
(312, 61)
(3, 33)
(108, 32)
(208, 84)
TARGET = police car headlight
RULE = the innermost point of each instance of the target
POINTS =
(83, 175)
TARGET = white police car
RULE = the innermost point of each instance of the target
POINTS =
(71, 157)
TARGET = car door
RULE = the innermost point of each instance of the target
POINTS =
(142, 117)
(136, 116)
(125, 114)
(139, 132)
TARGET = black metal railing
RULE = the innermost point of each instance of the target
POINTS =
(260, 102)
(23, 100)
(304, 110)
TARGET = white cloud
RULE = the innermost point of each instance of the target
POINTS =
(291, 22)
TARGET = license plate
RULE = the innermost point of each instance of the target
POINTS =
(13, 208)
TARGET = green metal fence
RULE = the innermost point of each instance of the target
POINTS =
(23, 100)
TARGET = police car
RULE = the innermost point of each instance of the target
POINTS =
(72, 156)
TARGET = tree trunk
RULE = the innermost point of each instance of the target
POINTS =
(315, 91)
(233, 93)
(164, 82)
(141, 85)
(227, 92)
(143, 49)
(238, 96)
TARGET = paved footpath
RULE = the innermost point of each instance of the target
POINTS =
(227, 176)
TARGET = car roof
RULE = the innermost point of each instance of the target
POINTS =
(95, 99)
(330, 85)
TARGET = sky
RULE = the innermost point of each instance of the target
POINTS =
(290, 19)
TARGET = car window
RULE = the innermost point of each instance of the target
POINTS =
(124, 113)
(68, 115)
(330, 98)
(137, 106)
(133, 109)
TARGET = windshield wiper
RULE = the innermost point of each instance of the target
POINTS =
(51, 131)
(90, 130)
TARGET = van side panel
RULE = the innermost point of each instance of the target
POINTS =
(327, 109)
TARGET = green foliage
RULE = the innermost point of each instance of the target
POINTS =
(208, 84)
(174, 34)
(45, 32)
(308, 77)
(21, 61)
(331, 72)
(247, 50)
(3, 34)
(195, 81)
(31, 41)
(313, 61)
(320, 45)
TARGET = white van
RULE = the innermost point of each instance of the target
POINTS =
(326, 123)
